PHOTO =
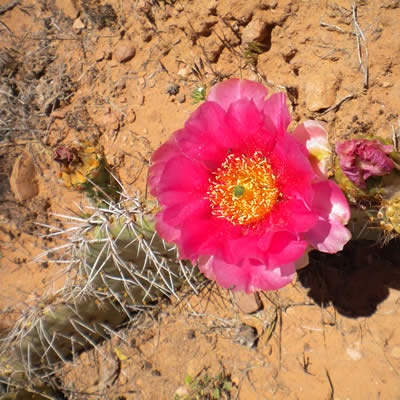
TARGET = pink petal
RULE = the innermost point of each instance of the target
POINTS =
(272, 279)
(205, 236)
(178, 214)
(159, 160)
(315, 137)
(168, 232)
(312, 134)
(291, 214)
(330, 203)
(241, 248)
(275, 109)
(205, 136)
(227, 92)
(303, 261)
(292, 168)
(247, 134)
(248, 276)
(328, 236)
(284, 248)
(182, 174)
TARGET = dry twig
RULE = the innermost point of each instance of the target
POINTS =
(338, 104)
(332, 27)
(361, 42)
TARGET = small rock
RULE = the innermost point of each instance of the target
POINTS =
(144, 6)
(181, 391)
(246, 335)
(125, 51)
(320, 91)
(191, 334)
(395, 352)
(354, 353)
(23, 178)
(146, 35)
(68, 7)
(181, 98)
(213, 48)
(288, 53)
(100, 55)
(58, 114)
(172, 89)
(183, 72)
(248, 303)
(269, 4)
(257, 30)
(78, 26)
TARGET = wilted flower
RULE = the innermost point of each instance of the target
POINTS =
(243, 197)
(64, 155)
(360, 159)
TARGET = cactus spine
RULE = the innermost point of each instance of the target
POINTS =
(118, 267)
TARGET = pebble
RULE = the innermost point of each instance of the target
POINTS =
(125, 51)
(183, 72)
(181, 391)
(181, 98)
(100, 55)
(172, 89)
(78, 26)
(68, 7)
(320, 92)
(247, 303)
(395, 352)
(58, 114)
(288, 53)
(354, 354)
(23, 178)
(257, 30)
(246, 335)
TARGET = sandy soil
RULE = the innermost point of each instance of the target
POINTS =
(121, 73)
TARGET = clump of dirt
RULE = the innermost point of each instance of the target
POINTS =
(125, 75)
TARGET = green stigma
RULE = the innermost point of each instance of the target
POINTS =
(238, 191)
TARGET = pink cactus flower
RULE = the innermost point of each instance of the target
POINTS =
(241, 196)
(360, 159)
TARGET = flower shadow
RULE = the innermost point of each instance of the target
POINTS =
(354, 281)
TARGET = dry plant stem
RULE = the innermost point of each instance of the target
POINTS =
(338, 104)
(332, 27)
(395, 137)
(361, 42)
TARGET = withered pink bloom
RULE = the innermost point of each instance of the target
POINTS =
(360, 159)
(241, 196)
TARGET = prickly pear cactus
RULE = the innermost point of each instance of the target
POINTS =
(118, 267)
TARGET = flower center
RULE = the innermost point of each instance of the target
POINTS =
(244, 189)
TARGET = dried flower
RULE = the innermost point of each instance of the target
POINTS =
(360, 159)
(243, 197)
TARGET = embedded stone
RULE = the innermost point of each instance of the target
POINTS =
(247, 303)
(23, 178)
(320, 91)
(125, 51)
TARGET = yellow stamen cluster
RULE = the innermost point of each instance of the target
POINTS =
(244, 189)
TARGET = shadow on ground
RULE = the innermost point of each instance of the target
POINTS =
(356, 280)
